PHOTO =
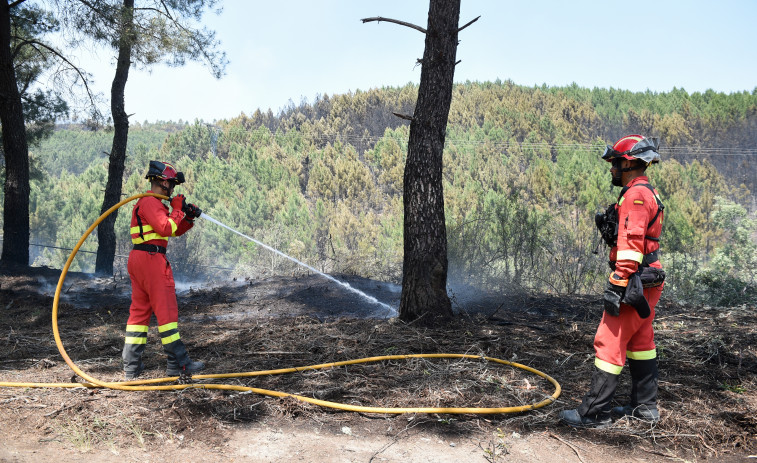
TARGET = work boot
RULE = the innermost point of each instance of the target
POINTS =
(643, 391)
(596, 402)
(573, 418)
(132, 357)
(178, 362)
(594, 411)
(133, 374)
(189, 369)
(642, 412)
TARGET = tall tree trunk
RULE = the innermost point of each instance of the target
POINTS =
(16, 151)
(106, 235)
(424, 279)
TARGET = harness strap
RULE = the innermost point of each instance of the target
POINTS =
(650, 258)
(139, 222)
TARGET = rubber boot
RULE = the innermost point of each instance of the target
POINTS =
(179, 363)
(594, 411)
(643, 404)
(132, 357)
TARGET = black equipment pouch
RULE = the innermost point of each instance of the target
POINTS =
(651, 276)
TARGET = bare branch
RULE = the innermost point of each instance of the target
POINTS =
(101, 13)
(166, 13)
(168, 10)
(404, 116)
(37, 45)
(395, 21)
(468, 24)
(16, 3)
(457, 62)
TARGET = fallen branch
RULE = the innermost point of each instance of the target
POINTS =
(569, 445)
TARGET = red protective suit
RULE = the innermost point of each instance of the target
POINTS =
(152, 283)
(628, 335)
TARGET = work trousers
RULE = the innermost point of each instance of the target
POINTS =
(626, 335)
(153, 291)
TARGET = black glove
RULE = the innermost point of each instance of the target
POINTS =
(635, 296)
(191, 211)
(607, 224)
(612, 296)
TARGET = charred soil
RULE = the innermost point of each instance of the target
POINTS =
(708, 377)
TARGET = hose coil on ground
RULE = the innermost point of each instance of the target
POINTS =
(157, 384)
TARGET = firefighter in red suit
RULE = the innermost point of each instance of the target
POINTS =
(634, 288)
(152, 283)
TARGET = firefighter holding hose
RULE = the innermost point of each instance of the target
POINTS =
(632, 229)
(152, 284)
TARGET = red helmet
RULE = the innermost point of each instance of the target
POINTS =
(164, 171)
(634, 147)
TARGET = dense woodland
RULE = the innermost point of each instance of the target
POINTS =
(322, 181)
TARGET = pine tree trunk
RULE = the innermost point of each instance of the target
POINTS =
(424, 279)
(106, 235)
(16, 152)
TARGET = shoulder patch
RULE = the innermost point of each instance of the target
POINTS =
(638, 201)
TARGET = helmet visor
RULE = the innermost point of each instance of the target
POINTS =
(610, 153)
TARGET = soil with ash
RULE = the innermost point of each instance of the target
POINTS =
(708, 377)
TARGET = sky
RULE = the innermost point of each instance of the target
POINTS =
(294, 50)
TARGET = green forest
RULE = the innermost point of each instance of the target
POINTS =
(523, 179)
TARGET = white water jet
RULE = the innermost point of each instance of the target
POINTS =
(390, 311)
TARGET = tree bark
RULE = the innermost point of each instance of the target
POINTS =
(424, 279)
(106, 235)
(16, 152)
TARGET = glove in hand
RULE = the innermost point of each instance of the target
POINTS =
(178, 202)
(634, 296)
(612, 296)
(191, 211)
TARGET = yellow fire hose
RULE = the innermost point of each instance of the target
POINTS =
(150, 384)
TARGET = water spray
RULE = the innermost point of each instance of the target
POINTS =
(390, 311)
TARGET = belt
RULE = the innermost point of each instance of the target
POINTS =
(151, 248)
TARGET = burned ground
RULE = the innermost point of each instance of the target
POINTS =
(708, 369)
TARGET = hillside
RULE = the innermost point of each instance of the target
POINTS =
(323, 182)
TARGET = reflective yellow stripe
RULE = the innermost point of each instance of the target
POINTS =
(620, 201)
(148, 237)
(607, 366)
(135, 340)
(137, 328)
(145, 228)
(170, 339)
(168, 326)
(136, 239)
(174, 227)
(642, 355)
(630, 255)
